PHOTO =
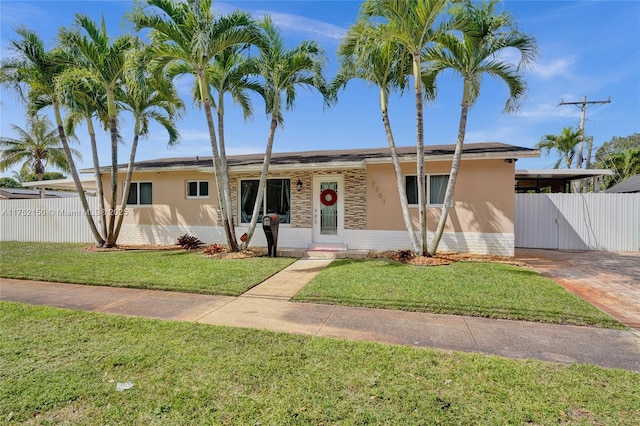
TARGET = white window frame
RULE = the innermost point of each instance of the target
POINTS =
(198, 182)
(264, 200)
(137, 203)
(428, 188)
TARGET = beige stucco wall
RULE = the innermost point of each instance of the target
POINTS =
(172, 207)
(170, 203)
(484, 198)
(483, 201)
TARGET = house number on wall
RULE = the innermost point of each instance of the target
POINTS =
(377, 191)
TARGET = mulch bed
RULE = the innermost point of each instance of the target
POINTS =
(223, 254)
(402, 256)
(441, 259)
(147, 247)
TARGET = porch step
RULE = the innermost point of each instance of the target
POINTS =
(323, 252)
(326, 247)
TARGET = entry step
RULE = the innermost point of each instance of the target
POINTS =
(321, 253)
(326, 247)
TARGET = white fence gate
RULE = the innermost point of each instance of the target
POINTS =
(594, 221)
(56, 220)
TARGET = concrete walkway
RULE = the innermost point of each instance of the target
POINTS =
(266, 306)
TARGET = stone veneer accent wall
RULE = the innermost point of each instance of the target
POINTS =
(355, 206)
(355, 203)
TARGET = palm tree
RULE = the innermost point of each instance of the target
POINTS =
(282, 71)
(565, 143)
(102, 61)
(36, 70)
(85, 100)
(471, 53)
(384, 65)
(414, 25)
(36, 147)
(229, 74)
(186, 37)
(151, 99)
(623, 163)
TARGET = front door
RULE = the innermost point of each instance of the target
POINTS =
(328, 209)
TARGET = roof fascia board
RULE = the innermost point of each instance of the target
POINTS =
(532, 173)
(334, 165)
(472, 156)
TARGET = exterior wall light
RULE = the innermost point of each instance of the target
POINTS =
(299, 185)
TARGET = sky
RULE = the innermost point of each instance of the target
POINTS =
(586, 48)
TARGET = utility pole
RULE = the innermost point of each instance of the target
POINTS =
(583, 112)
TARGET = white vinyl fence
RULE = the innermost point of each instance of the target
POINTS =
(594, 221)
(56, 220)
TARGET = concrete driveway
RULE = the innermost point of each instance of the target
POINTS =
(610, 281)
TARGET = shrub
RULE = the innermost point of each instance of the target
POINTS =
(213, 249)
(189, 242)
(405, 255)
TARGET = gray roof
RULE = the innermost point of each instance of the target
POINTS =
(631, 184)
(33, 193)
(489, 149)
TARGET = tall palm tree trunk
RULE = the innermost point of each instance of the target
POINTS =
(453, 176)
(217, 167)
(96, 170)
(422, 202)
(113, 129)
(74, 175)
(263, 174)
(224, 168)
(39, 175)
(404, 203)
(127, 184)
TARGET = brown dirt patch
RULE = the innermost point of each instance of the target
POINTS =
(223, 254)
(244, 254)
(441, 259)
(147, 247)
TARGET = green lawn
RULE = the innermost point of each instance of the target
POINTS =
(62, 367)
(463, 288)
(159, 270)
(482, 289)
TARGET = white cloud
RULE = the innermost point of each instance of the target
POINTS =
(194, 136)
(547, 111)
(13, 13)
(293, 24)
(503, 133)
(556, 68)
(301, 25)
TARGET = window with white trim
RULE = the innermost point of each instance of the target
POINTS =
(197, 189)
(435, 185)
(140, 193)
(277, 199)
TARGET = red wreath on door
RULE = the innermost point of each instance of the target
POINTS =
(328, 197)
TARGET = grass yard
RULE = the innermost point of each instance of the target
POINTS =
(159, 270)
(481, 289)
(62, 367)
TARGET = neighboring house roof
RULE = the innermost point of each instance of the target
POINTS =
(88, 184)
(20, 194)
(556, 179)
(336, 158)
(631, 184)
(567, 174)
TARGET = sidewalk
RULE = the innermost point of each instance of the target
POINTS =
(266, 306)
